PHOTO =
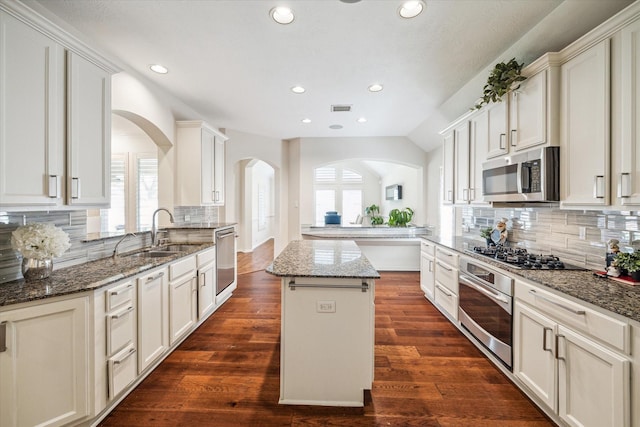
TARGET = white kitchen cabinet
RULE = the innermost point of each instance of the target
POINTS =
(462, 159)
(448, 167)
(206, 261)
(572, 358)
(427, 269)
(497, 119)
(183, 288)
(153, 317)
(479, 147)
(585, 123)
(45, 366)
(446, 282)
(200, 164)
(56, 121)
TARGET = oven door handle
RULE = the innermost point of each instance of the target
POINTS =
(482, 289)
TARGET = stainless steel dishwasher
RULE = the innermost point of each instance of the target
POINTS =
(225, 258)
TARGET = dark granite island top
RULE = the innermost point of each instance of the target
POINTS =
(322, 258)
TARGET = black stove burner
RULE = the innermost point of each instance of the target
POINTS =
(520, 258)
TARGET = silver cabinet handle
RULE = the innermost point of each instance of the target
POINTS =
(125, 357)
(465, 194)
(598, 187)
(503, 136)
(54, 189)
(513, 138)
(293, 285)
(558, 348)
(3, 337)
(444, 253)
(624, 185)
(444, 291)
(118, 292)
(203, 280)
(450, 195)
(472, 194)
(430, 266)
(122, 313)
(562, 306)
(157, 276)
(75, 188)
(544, 339)
(444, 266)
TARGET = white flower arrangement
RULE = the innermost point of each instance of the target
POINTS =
(40, 241)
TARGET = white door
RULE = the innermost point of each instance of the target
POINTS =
(447, 168)
(32, 130)
(593, 383)
(218, 173)
(45, 366)
(182, 307)
(584, 124)
(153, 318)
(461, 156)
(427, 275)
(528, 112)
(206, 290)
(628, 177)
(534, 353)
(207, 196)
(479, 142)
(88, 133)
(497, 123)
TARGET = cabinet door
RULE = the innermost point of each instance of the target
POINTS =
(207, 186)
(528, 112)
(479, 142)
(447, 168)
(88, 133)
(534, 353)
(218, 173)
(584, 124)
(45, 367)
(461, 168)
(497, 123)
(182, 308)
(206, 290)
(32, 116)
(427, 275)
(628, 178)
(593, 383)
(153, 318)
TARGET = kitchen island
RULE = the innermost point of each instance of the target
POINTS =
(327, 324)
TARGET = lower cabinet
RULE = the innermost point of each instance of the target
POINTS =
(583, 381)
(206, 283)
(446, 282)
(427, 269)
(44, 369)
(183, 288)
(153, 317)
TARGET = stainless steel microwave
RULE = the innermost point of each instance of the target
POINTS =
(532, 176)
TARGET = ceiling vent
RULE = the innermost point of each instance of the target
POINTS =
(340, 108)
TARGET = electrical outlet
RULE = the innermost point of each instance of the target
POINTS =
(326, 306)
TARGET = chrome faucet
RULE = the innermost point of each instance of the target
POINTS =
(115, 250)
(154, 228)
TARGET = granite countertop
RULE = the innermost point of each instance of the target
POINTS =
(85, 277)
(605, 293)
(322, 258)
(364, 232)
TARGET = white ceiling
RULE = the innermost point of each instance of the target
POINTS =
(232, 64)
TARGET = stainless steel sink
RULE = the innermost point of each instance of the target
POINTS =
(160, 251)
(175, 247)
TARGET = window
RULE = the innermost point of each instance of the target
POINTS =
(337, 189)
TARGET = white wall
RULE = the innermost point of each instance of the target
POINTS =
(262, 181)
(409, 178)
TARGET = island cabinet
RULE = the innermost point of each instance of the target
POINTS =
(56, 118)
(427, 269)
(574, 359)
(44, 363)
(327, 324)
(200, 164)
(446, 282)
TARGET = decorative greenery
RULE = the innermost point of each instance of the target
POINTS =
(373, 212)
(501, 80)
(628, 261)
(400, 218)
(485, 233)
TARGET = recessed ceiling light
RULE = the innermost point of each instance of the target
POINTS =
(282, 15)
(160, 69)
(375, 87)
(335, 127)
(349, 1)
(306, 121)
(362, 120)
(298, 89)
(411, 9)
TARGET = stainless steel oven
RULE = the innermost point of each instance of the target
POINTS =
(485, 307)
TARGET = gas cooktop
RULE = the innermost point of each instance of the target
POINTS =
(520, 258)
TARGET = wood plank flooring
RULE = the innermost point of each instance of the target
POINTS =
(256, 260)
(227, 372)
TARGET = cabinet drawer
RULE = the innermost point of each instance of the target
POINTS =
(182, 267)
(121, 328)
(446, 300)
(119, 295)
(614, 332)
(206, 257)
(428, 247)
(121, 370)
(447, 276)
(447, 256)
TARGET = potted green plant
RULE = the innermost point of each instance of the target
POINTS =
(373, 212)
(629, 263)
(400, 218)
(485, 233)
(501, 80)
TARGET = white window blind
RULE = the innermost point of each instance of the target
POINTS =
(325, 174)
(147, 190)
(113, 219)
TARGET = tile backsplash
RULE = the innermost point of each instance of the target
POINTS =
(578, 237)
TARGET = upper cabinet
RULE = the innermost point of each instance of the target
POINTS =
(55, 119)
(200, 164)
(448, 167)
(497, 129)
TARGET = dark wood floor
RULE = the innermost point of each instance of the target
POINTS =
(227, 372)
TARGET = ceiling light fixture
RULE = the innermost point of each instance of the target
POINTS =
(160, 69)
(282, 15)
(298, 89)
(362, 120)
(375, 87)
(306, 121)
(411, 9)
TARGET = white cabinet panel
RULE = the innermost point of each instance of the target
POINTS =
(462, 159)
(497, 123)
(206, 289)
(153, 317)
(182, 307)
(448, 168)
(528, 112)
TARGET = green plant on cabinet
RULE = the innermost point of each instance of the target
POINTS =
(373, 212)
(501, 80)
(400, 218)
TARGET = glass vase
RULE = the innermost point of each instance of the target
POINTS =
(36, 269)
